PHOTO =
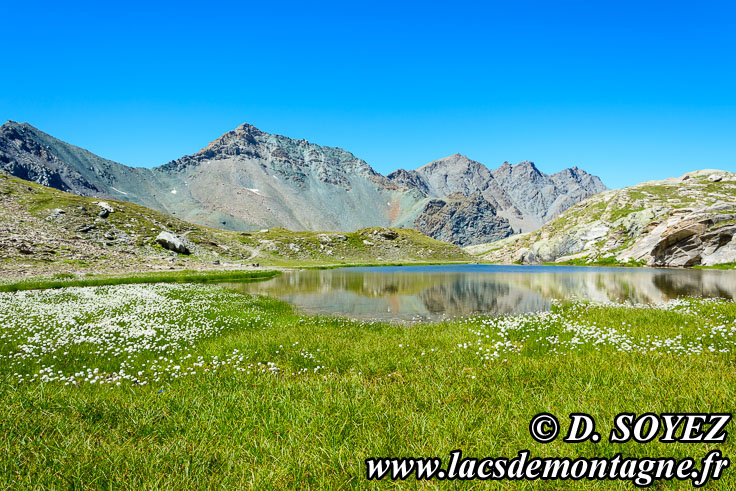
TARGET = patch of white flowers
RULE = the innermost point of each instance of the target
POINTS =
(118, 328)
(148, 334)
(563, 332)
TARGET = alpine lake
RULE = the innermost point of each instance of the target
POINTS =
(433, 293)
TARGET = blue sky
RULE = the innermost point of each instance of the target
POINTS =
(629, 91)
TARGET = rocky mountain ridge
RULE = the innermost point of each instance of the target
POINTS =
(520, 194)
(248, 179)
(676, 222)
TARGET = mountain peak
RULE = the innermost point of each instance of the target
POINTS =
(460, 156)
(26, 131)
(15, 124)
(248, 128)
(525, 166)
(573, 171)
(455, 160)
(527, 163)
(245, 131)
(234, 141)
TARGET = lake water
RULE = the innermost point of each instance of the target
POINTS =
(434, 292)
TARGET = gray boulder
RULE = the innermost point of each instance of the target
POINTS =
(169, 241)
(105, 206)
(106, 209)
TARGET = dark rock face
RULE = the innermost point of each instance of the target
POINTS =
(31, 154)
(248, 179)
(463, 220)
(23, 156)
(409, 179)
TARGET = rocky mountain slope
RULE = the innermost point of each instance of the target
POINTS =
(685, 221)
(43, 230)
(248, 179)
(519, 194)
(463, 220)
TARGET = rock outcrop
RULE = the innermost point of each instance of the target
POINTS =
(677, 222)
(702, 236)
(463, 220)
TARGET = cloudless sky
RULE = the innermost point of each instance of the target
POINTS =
(629, 91)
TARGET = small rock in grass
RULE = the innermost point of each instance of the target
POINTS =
(105, 206)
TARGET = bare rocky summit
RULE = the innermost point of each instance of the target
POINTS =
(676, 222)
(248, 180)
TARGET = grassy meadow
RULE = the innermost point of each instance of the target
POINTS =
(194, 385)
(66, 280)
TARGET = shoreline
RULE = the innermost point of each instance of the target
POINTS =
(238, 272)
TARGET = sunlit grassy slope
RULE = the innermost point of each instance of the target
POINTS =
(186, 386)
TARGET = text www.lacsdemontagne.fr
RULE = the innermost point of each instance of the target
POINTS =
(640, 471)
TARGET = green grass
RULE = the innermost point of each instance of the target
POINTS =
(347, 390)
(62, 280)
(409, 247)
(621, 212)
(602, 261)
(663, 192)
(718, 266)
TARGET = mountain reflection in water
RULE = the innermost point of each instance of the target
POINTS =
(433, 292)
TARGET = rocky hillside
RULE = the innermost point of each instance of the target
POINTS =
(248, 179)
(43, 230)
(677, 222)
